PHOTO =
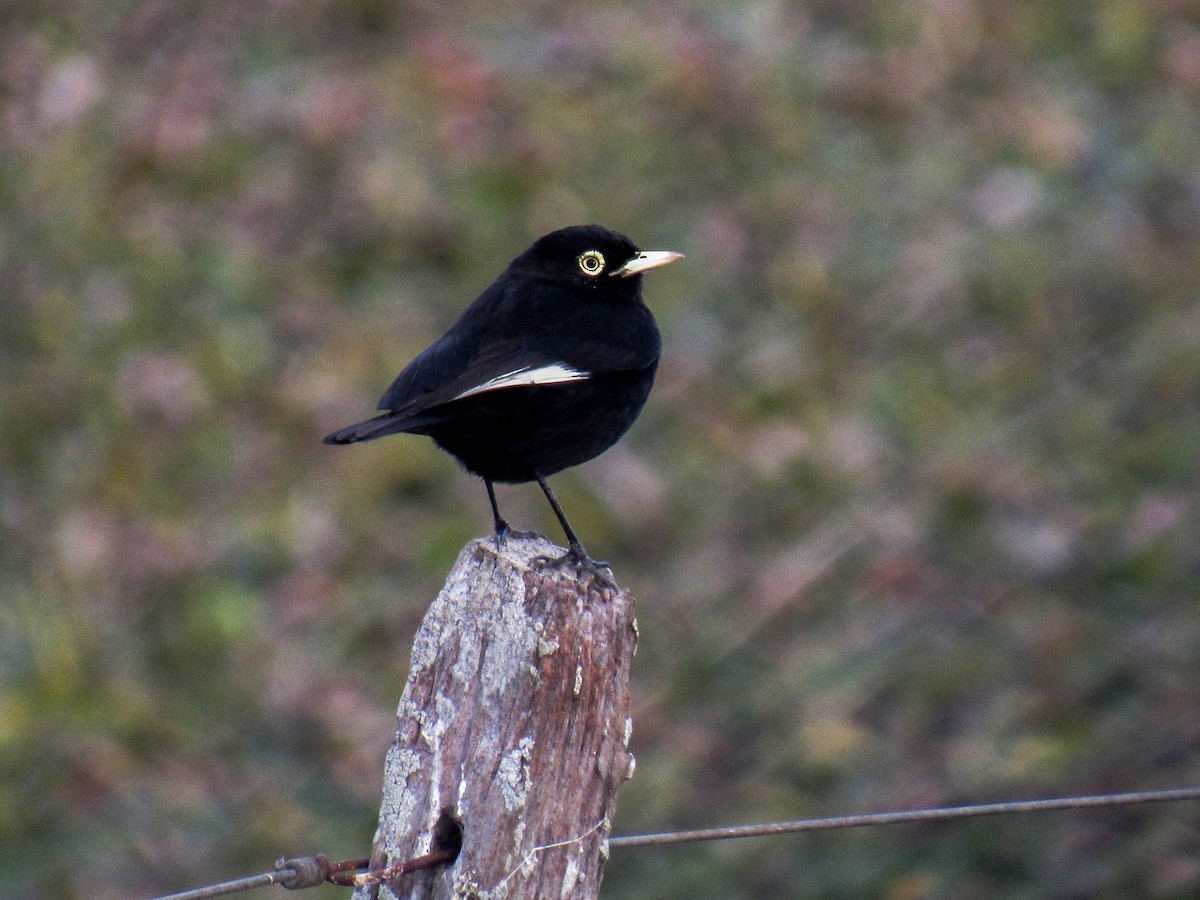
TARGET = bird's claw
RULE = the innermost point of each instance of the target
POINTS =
(578, 559)
(502, 533)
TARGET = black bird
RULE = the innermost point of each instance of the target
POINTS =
(545, 370)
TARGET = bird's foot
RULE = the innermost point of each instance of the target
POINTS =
(577, 558)
(502, 533)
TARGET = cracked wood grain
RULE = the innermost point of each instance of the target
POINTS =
(515, 719)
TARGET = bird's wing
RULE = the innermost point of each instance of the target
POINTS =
(444, 373)
(421, 394)
(513, 336)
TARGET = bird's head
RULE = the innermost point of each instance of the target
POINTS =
(592, 256)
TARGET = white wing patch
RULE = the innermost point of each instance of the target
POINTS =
(553, 373)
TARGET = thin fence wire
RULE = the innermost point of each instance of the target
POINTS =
(297, 873)
(943, 814)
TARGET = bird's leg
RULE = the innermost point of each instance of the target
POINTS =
(576, 553)
(576, 546)
(498, 522)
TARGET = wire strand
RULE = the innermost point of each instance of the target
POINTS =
(227, 887)
(288, 871)
(944, 814)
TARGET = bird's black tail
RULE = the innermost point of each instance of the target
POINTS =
(388, 423)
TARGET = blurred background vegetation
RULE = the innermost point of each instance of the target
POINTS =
(913, 515)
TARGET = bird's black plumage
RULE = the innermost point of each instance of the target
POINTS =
(545, 370)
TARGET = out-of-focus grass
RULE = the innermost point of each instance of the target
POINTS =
(912, 515)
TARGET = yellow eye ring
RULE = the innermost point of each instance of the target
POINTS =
(591, 263)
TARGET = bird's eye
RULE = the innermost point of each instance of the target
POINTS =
(591, 263)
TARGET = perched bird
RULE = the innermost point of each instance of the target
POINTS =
(545, 370)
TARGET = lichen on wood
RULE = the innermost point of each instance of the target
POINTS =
(515, 720)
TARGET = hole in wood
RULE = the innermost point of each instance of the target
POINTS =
(448, 835)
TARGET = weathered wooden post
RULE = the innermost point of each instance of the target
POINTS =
(514, 724)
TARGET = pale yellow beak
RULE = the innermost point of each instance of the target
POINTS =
(646, 260)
